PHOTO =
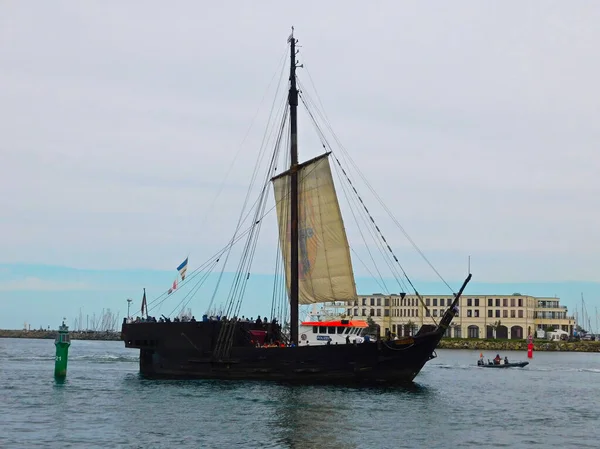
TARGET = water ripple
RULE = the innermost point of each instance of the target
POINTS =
(105, 403)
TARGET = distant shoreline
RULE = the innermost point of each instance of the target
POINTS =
(51, 334)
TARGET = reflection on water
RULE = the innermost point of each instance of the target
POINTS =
(303, 418)
(332, 416)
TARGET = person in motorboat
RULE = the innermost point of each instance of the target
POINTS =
(480, 361)
(497, 359)
(505, 360)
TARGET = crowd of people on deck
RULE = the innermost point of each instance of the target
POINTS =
(183, 319)
(162, 319)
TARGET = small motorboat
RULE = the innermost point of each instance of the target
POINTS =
(502, 365)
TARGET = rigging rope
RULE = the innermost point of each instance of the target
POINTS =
(383, 238)
(254, 175)
(385, 288)
(189, 296)
(388, 211)
(378, 230)
(226, 334)
(278, 70)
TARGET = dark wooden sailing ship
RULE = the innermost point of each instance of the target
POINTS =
(318, 268)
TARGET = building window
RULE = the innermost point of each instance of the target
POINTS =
(427, 302)
(355, 312)
(505, 314)
(504, 302)
(372, 301)
(442, 302)
(497, 313)
(469, 313)
(441, 312)
(364, 312)
(427, 313)
(434, 312)
(512, 302)
(364, 302)
(490, 302)
(386, 312)
(473, 332)
(469, 302)
(434, 302)
(349, 312)
(520, 314)
(497, 302)
(379, 301)
(476, 313)
(476, 302)
(490, 313)
(520, 302)
(512, 313)
(387, 302)
(372, 312)
(378, 312)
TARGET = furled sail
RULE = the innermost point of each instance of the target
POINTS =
(325, 267)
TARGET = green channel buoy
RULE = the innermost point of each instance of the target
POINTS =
(62, 343)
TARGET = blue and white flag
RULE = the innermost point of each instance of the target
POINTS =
(183, 268)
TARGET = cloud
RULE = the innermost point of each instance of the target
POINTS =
(42, 285)
(474, 123)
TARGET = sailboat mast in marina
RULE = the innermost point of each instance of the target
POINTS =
(317, 269)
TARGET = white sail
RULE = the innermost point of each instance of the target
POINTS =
(325, 267)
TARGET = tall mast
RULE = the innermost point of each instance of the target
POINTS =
(293, 102)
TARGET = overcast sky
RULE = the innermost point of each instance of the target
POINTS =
(476, 122)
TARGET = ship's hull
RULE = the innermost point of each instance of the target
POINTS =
(186, 351)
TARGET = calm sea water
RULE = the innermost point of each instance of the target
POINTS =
(104, 404)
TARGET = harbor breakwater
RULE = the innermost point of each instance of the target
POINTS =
(51, 334)
(519, 345)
